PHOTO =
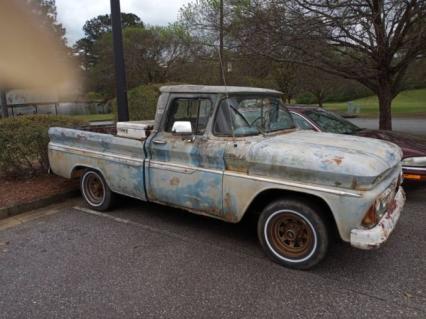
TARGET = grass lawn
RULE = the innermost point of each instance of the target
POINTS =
(411, 103)
(95, 117)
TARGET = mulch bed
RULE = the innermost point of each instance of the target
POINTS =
(21, 191)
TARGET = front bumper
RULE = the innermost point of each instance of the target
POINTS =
(376, 236)
(414, 173)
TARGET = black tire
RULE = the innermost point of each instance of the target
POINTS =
(95, 190)
(293, 234)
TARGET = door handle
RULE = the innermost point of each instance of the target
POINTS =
(189, 139)
(159, 142)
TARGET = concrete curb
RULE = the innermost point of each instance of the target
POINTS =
(10, 211)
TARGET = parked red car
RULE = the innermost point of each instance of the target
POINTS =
(414, 148)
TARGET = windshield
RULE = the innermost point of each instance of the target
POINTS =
(252, 115)
(330, 122)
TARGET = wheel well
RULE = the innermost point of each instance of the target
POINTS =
(266, 197)
(79, 169)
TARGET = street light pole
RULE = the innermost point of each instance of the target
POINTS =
(221, 60)
(3, 103)
(120, 71)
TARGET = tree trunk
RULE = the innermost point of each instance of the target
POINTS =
(385, 102)
(320, 98)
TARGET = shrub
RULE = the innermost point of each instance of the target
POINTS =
(23, 143)
(306, 98)
(142, 102)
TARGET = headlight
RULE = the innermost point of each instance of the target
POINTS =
(382, 202)
(379, 208)
(414, 161)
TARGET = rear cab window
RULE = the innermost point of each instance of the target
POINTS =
(194, 110)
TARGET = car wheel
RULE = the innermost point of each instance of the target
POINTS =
(293, 234)
(95, 190)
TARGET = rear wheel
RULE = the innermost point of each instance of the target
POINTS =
(293, 234)
(95, 190)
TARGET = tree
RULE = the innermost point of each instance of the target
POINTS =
(94, 29)
(286, 75)
(370, 41)
(319, 84)
(150, 54)
(210, 23)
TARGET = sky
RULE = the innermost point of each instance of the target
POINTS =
(74, 13)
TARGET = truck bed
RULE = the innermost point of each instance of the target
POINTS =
(120, 160)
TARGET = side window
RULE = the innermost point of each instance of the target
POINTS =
(196, 111)
(301, 122)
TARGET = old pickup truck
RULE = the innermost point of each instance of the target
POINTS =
(227, 152)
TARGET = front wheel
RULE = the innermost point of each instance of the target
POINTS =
(95, 190)
(293, 234)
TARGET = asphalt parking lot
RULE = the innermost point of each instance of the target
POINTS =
(414, 126)
(144, 260)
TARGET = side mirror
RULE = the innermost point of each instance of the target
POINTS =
(182, 127)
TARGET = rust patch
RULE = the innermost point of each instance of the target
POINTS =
(227, 201)
(228, 215)
(338, 160)
(354, 184)
(174, 181)
(232, 163)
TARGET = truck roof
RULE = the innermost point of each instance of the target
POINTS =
(186, 88)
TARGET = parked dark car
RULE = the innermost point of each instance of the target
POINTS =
(413, 147)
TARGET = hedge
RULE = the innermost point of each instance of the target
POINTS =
(23, 143)
(142, 101)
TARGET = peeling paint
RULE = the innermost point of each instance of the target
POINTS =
(221, 176)
(376, 236)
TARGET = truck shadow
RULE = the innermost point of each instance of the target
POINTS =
(343, 262)
(389, 272)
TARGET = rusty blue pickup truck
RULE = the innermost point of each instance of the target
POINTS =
(227, 152)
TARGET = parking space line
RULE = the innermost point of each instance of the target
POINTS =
(26, 217)
(129, 222)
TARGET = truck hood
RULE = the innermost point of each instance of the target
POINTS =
(324, 158)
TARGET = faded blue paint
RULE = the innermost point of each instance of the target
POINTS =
(193, 189)
(323, 159)
(197, 191)
(119, 160)
(217, 176)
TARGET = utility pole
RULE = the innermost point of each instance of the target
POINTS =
(3, 100)
(221, 61)
(120, 71)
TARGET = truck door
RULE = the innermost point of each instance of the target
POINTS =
(186, 170)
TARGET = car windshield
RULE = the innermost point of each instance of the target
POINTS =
(252, 115)
(330, 122)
